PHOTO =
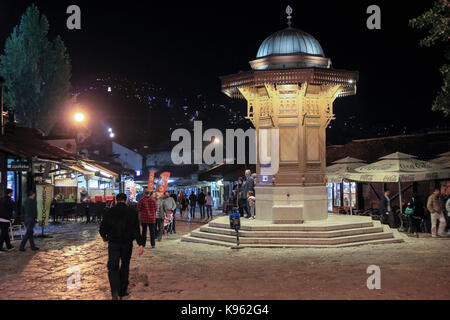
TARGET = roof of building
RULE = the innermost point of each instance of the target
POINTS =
(424, 146)
(290, 41)
(27, 142)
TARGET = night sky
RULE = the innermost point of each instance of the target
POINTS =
(187, 46)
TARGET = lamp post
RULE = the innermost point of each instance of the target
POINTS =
(79, 118)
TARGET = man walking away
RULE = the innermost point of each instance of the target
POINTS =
(147, 213)
(192, 204)
(7, 207)
(29, 209)
(159, 218)
(434, 206)
(201, 203)
(119, 227)
(209, 205)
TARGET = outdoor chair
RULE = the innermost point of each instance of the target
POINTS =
(100, 210)
(15, 227)
(80, 210)
(58, 211)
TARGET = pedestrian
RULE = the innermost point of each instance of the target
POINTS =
(174, 197)
(83, 195)
(249, 186)
(201, 203)
(435, 207)
(119, 227)
(230, 204)
(192, 204)
(251, 203)
(7, 208)
(29, 210)
(242, 198)
(410, 214)
(168, 206)
(209, 205)
(386, 209)
(159, 217)
(147, 215)
(182, 203)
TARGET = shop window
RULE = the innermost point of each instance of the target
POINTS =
(337, 195)
(349, 193)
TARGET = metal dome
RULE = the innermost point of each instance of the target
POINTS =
(290, 41)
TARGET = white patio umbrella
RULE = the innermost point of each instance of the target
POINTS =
(443, 160)
(399, 167)
(337, 171)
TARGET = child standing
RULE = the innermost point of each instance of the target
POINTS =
(251, 203)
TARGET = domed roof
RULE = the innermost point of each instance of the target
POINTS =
(290, 41)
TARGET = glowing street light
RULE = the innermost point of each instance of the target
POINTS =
(109, 129)
(112, 135)
(79, 117)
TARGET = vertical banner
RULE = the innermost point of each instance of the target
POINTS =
(44, 197)
(164, 180)
(151, 181)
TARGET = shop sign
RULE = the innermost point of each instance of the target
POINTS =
(19, 165)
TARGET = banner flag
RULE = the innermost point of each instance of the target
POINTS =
(164, 180)
(151, 181)
(44, 197)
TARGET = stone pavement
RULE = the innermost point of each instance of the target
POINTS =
(415, 269)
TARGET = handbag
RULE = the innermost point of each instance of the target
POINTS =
(409, 210)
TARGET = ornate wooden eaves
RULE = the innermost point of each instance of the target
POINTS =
(344, 81)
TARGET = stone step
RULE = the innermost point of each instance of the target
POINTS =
(287, 241)
(228, 244)
(293, 234)
(300, 227)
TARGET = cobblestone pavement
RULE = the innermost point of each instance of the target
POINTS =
(416, 269)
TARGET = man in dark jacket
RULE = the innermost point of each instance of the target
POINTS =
(29, 210)
(119, 227)
(201, 203)
(386, 209)
(192, 204)
(7, 208)
(249, 185)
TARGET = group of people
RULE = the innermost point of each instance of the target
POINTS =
(437, 206)
(204, 201)
(243, 197)
(29, 214)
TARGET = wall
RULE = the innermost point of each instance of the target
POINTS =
(127, 158)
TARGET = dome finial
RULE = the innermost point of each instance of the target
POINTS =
(289, 12)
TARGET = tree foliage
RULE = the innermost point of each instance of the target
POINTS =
(36, 70)
(436, 22)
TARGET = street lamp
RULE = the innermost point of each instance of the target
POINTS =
(112, 135)
(79, 117)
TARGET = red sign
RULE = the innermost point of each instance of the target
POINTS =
(151, 181)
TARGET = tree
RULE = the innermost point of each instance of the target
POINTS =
(37, 72)
(436, 22)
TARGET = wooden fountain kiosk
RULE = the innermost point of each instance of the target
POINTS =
(290, 93)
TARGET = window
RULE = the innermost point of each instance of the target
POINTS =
(337, 194)
(330, 196)
(349, 193)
